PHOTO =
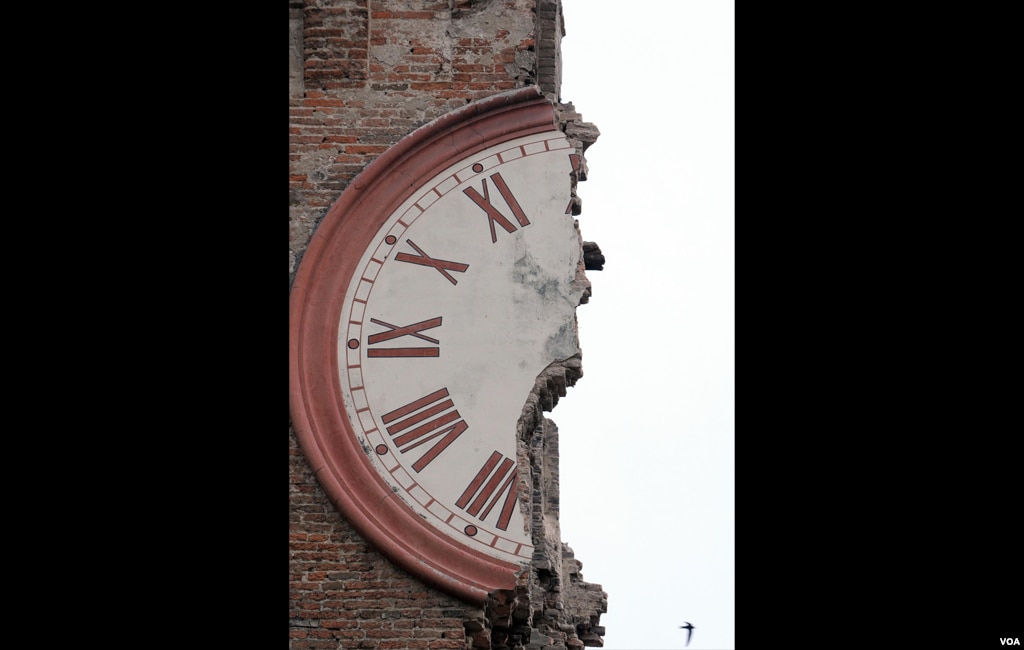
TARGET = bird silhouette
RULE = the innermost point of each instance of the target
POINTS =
(689, 631)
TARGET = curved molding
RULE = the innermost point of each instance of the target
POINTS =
(318, 415)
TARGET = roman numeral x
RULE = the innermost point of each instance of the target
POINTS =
(442, 266)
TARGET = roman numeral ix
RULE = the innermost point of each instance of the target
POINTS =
(395, 331)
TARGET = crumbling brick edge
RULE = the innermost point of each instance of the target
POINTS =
(551, 607)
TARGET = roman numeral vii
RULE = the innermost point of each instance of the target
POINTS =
(480, 497)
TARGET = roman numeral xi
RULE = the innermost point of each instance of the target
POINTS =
(493, 215)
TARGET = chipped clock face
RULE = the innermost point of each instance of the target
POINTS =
(465, 294)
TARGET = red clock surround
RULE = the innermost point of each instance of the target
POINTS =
(322, 426)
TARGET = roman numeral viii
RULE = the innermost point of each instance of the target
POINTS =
(395, 331)
(487, 495)
(423, 420)
(493, 215)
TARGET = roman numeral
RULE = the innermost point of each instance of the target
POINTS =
(395, 331)
(443, 266)
(488, 495)
(493, 215)
(424, 420)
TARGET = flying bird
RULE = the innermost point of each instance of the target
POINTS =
(689, 631)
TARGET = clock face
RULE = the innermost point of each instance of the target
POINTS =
(433, 293)
(465, 294)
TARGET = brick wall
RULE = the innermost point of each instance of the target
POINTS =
(344, 594)
(372, 71)
(363, 74)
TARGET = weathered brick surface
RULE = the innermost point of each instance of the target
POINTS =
(344, 594)
(364, 74)
(373, 71)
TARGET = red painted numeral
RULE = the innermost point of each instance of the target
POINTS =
(443, 266)
(504, 476)
(395, 331)
(484, 201)
(424, 420)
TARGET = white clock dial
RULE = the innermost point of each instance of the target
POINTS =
(465, 295)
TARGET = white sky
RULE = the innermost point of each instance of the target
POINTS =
(647, 435)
